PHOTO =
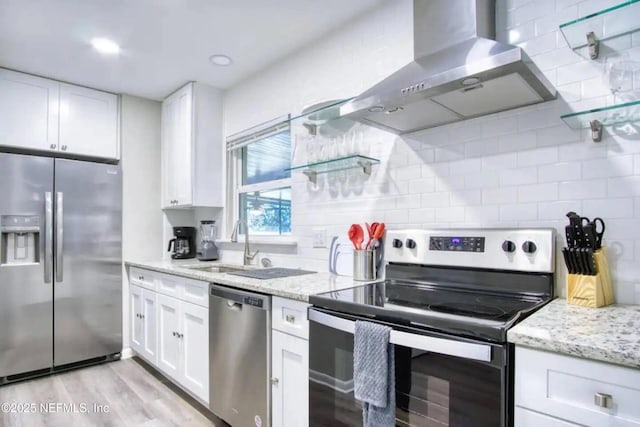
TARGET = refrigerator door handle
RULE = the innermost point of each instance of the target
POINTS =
(59, 237)
(48, 231)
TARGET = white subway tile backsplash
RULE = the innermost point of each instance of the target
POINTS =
(519, 176)
(588, 7)
(498, 196)
(450, 214)
(583, 189)
(435, 200)
(539, 156)
(465, 198)
(519, 212)
(556, 172)
(523, 167)
(608, 208)
(422, 215)
(609, 167)
(557, 210)
(538, 192)
(624, 186)
(422, 185)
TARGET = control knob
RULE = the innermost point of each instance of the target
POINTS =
(397, 243)
(529, 247)
(411, 244)
(508, 246)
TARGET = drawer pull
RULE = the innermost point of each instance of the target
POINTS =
(603, 400)
(290, 318)
(275, 381)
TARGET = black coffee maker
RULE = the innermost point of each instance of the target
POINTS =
(184, 243)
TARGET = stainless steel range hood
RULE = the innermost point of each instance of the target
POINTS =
(459, 72)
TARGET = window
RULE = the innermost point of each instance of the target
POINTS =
(261, 184)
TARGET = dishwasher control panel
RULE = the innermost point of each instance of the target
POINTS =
(256, 302)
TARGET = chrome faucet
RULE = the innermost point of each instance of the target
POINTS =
(248, 256)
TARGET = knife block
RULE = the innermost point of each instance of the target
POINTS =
(591, 291)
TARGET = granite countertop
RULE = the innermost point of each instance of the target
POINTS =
(609, 334)
(294, 287)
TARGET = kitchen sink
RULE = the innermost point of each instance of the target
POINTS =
(215, 268)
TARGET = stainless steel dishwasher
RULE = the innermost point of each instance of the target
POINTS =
(240, 356)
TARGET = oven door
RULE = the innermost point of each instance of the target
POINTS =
(440, 380)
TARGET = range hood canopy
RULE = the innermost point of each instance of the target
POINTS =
(459, 72)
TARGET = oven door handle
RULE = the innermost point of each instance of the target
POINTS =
(466, 350)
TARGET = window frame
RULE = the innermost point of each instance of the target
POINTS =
(235, 187)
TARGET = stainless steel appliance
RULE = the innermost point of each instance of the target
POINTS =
(239, 354)
(184, 246)
(60, 264)
(450, 296)
(208, 248)
(459, 71)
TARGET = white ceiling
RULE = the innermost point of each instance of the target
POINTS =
(165, 43)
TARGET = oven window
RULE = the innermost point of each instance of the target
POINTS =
(432, 390)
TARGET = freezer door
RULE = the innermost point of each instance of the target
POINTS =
(26, 309)
(88, 261)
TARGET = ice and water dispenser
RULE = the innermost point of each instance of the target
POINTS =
(19, 239)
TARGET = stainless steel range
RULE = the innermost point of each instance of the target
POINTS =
(450, 296)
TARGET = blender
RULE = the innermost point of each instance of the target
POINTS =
(208, 249)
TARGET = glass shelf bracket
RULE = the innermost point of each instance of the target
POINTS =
(312, 170)
(598, 118)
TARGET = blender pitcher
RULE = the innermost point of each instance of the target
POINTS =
(208, 249)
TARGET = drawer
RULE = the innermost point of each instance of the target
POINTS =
(526, 418)
(567, 387)
(142, 278)
(190, 290)
(195, 291)
(290, 316)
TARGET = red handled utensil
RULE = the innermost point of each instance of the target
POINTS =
(356, 235)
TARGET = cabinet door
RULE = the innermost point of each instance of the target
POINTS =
(88, 122)
(195, 348)
(137, 337)
(150, 325)
(169, 336)
(28, 111)
(177, 136)
(290, 383)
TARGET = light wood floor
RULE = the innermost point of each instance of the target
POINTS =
(133, 395)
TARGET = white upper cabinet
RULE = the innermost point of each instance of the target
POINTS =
(88, 122)
(28, 111)
(192, 147)
(46, 115)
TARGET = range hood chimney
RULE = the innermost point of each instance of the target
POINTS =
(459, 72)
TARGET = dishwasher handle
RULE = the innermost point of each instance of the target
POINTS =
(236, 299)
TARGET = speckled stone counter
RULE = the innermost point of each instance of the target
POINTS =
(294, 287)
(609, 334)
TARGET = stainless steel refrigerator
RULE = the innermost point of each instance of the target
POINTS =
(60, 264)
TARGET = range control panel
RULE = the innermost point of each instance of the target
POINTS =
(515, 249)
(457, 244)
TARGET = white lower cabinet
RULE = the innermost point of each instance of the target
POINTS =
(143, 323)
(289, 364)
(567, 391)
(169, 332)
(290, 385)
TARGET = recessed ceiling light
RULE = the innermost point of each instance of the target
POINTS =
(222, 60)
(105, 46)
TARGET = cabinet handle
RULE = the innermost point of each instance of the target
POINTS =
(290, 318)
(175, 334)
(603, 400)
(64, 148)
(142, 316)
(274, 381)
(53, 146)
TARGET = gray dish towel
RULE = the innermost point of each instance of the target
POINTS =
(374, 374)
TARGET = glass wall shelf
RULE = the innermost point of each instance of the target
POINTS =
(597, 118)
(324, 118)
(312, 170)
(605, 24)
